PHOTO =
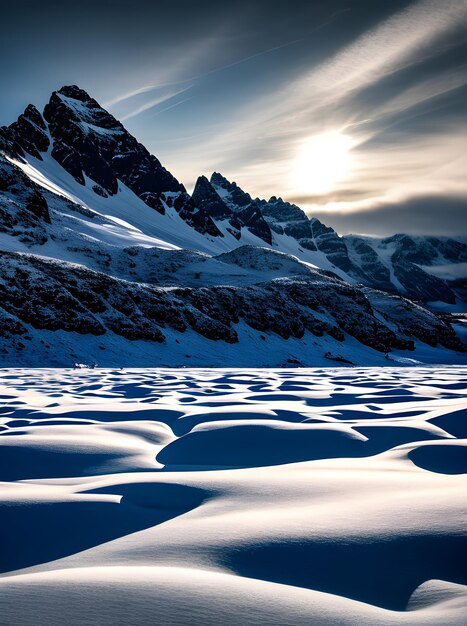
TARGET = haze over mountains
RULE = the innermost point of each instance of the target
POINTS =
(106, 258)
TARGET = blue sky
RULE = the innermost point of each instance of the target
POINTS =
(354, 109)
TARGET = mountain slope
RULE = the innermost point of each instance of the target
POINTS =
(105, 258)
(41, 298)
(101, 161)
(398, 264)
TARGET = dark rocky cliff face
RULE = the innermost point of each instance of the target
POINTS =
(426, 250)
(28, 133)
(205, 197)
(285, 218)
(412, 252)
(333, 246)
(245, 211)
(238, 198)
(376, 273)
(288, 219)
(24, 212)
(87, 141)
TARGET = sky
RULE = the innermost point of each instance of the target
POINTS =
(353, 109)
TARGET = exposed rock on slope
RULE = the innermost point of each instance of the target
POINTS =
(288, 219)
(89, 142)
(23, 209)
(361, 259)
(47, 295)
(246, 211)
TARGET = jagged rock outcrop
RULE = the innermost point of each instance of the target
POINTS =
(333, 246)
(362, 259)
(24, 212)
(412, 320)
(409, 255)
(427, 250)
(27, 134)
(369, 266)
(87, 140)
(365, 265)
(246, 210)
(419, 285)
(286, 218)
(205, 197)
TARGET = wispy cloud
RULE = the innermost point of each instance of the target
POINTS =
(395, 44)
(184, 84)
(422, 92)
(173, 106)
(153, 102)
(174, 76)
(369, 89)
(128, 95)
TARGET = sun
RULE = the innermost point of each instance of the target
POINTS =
(322, 162)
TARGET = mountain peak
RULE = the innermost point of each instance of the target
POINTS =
(75, 92)
(218, 180)
(71, 104)
(97, 150)
(205, 197)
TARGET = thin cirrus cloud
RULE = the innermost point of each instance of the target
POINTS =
(388, 49)
(398, 42)
(128, 95)
(168, 80)
(153, 102)
(421, 92)
(176, 78)
(183, 85)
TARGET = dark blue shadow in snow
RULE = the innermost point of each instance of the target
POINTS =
(45, 531)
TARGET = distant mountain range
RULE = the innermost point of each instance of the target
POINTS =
(107, 259)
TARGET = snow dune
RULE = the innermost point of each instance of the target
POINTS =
(309, 496)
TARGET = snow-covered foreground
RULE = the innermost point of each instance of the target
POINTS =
(317, 496)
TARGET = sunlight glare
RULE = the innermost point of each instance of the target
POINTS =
(322, 161)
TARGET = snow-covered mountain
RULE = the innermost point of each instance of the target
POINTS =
(106, 258)
(427, 269)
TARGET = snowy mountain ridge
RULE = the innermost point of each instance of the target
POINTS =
(105, 257)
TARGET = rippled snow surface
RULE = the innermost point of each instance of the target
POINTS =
(317, 496)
